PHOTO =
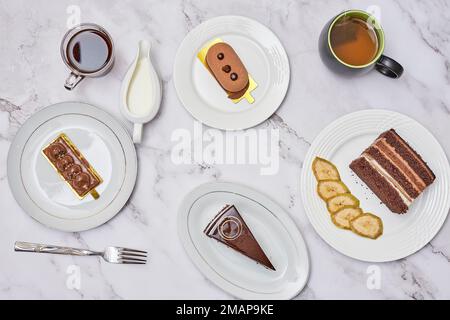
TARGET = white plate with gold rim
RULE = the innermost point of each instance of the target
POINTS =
(233, 272)
(43, 194)
(264, 57)
(343, 141)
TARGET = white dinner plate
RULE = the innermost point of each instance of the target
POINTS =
(230, 270)
(262, 54)
(41, 192)
(343, 141)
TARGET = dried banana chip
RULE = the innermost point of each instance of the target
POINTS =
(343, 217)
(328, 189)
(342, 200)
(367, 225)
(325, 170)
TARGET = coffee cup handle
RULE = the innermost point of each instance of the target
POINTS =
(72, 81)
(389, 67)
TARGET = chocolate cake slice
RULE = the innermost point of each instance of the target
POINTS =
(229, 228)
(394, 171)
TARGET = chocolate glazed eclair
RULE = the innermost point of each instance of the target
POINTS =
(228, 69)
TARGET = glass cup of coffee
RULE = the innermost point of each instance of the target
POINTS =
(353, 43)
(88, 51)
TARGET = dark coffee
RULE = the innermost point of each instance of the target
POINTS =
(354, 41)
(89, 51)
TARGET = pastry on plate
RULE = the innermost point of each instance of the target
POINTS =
(394, 171)
(228, 70)
(72, 167)
(229, 228)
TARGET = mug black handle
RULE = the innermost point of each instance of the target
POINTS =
(389, 67)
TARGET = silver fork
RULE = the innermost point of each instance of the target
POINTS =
(111, 254)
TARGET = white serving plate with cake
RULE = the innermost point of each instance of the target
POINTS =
(230, 270)
(345, 140)
(263, 56)
(41, 191)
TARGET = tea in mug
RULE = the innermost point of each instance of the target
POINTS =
(354, 41)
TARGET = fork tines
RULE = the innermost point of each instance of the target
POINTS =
(132, 256)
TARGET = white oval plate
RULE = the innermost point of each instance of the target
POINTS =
(343, 141)
(41, 192)
(230, 270)
(260, 51)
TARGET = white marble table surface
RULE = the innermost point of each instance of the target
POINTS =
(32, 76)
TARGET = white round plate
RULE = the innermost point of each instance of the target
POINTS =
(343, 141)
(41, 192)
(262, 54)
(230, 270)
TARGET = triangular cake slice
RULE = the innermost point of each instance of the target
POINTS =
(229, 227)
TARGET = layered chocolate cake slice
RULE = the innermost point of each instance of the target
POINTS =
(230, 228)
(393, 171)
